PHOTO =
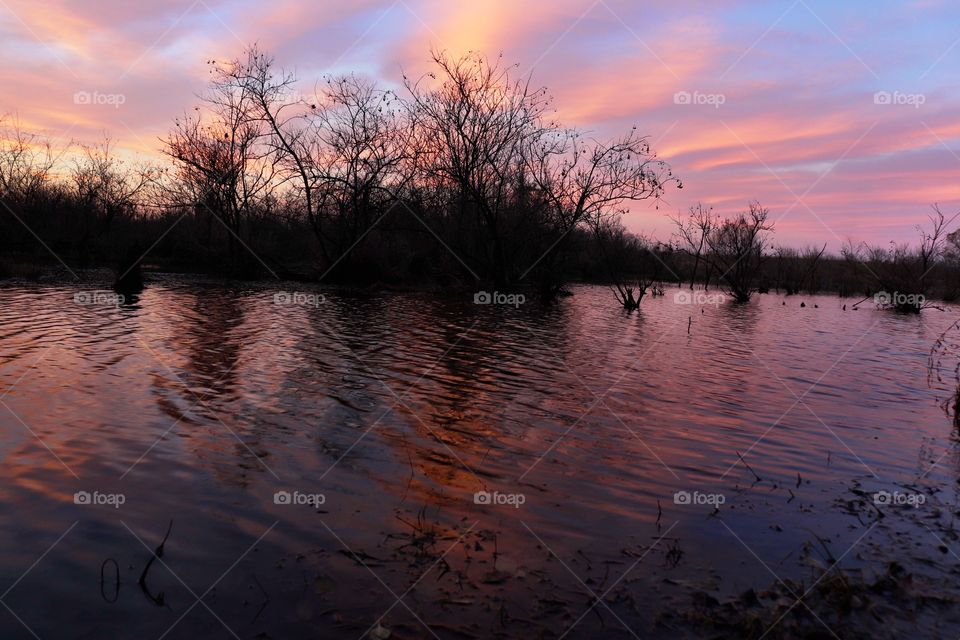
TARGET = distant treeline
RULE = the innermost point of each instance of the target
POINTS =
(459, 178)
(736, 255)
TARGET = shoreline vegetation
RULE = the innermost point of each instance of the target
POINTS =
(37, 270)
(460, 179)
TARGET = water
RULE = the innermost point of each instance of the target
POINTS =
(199, 402)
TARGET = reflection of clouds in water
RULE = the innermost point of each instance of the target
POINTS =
(490, 399)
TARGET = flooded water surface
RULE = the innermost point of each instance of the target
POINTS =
(334, 465)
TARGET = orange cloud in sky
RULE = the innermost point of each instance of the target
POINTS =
(489, 26)
(53, 26)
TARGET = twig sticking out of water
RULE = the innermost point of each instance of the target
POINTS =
(749, 468)
(266, 599)
(116, 580)
(674, 554)
(828, 555)
(410, 480)
(116, 569)
(157, 554)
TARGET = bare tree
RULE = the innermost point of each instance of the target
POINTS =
(902, 272)
(519, 183)
(472, 122)
(340, 150)
(737, 247)
(225, 166)
(365, 147)
(108, 192)
(932, 244)
(284, 115)
(631, 263)
(591, 182)
(107, 187)
(693, 232)
(796, 270)
(26, 161)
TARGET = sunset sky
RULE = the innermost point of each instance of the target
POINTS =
(774, 101)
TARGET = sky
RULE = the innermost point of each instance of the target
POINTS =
(840, 116)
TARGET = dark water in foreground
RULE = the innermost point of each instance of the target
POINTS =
(199, 403)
